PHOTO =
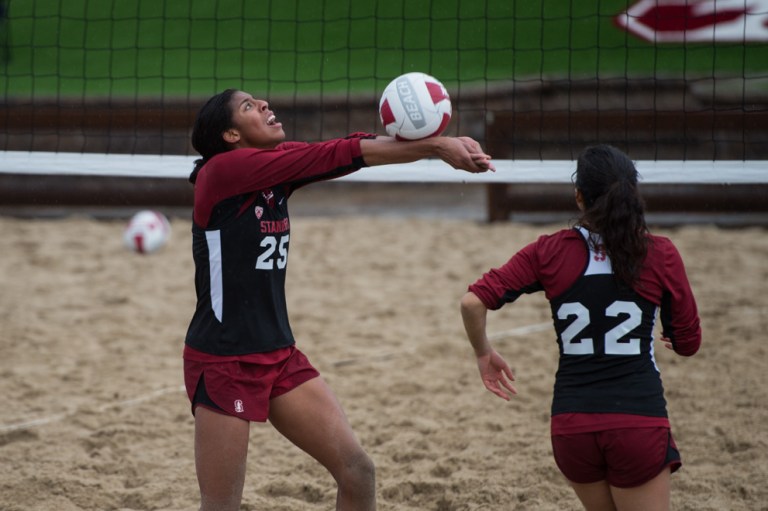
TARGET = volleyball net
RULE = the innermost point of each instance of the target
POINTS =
(680, 85)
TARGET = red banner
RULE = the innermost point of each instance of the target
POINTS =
(695, 21)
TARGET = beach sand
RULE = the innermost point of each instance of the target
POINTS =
(94, 416)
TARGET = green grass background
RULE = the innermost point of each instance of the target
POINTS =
(182, 48)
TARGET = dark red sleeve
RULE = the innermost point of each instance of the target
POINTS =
(550, 264)
(678, 311)
(505, 284)
(292, 163)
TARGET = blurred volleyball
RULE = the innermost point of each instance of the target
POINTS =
(415, 106)
(146, 232)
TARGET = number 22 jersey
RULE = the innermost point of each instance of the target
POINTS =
(604, 330)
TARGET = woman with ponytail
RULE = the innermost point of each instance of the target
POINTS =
(241, 364)
(606, 280)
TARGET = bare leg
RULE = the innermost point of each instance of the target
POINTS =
(311, 417)
(221, 448)
(651, 496)
(594, 496)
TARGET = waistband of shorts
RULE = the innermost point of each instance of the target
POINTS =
(269, 357)
(575, 423)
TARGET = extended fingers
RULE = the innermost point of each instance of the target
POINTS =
(493, 386)
(480, 157)
(496, 382)
(483, 161)
(508, 385)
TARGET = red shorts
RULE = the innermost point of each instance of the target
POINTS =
(625, 457)
(241, 388)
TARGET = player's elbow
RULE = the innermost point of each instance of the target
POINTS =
(469, 300)
(688, 350)
(471, 304)
(688, 345)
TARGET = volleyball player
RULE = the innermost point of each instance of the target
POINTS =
(240, 359)
(605, 280)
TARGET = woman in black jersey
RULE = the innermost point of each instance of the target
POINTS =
(605, 280)
(240, 359)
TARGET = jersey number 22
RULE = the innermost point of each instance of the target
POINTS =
(573, 345)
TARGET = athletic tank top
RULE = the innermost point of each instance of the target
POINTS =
(605, 337)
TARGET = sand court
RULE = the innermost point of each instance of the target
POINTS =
(95, 418)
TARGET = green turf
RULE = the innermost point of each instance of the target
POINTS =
(156, 48)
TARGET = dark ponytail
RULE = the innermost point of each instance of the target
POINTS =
(607, 180)
(213, 119)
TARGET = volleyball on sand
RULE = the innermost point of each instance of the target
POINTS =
(146, 232)
(415, 106)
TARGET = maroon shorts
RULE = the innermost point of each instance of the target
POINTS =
(625, 457)
(244, 389)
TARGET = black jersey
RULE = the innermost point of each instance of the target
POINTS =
(604, 332)
(241, 234)
(605, 336)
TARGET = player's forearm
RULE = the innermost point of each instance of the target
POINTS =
(387, 150)
(474, 314)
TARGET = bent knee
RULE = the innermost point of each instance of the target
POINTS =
(359, 469)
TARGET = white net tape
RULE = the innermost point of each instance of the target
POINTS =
(425, 171)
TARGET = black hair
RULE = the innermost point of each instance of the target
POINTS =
(613, 207)
(213, 119)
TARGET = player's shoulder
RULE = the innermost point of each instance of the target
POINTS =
(659, 239)
(287, 146)
(663, 255)
(558, 239)
(555, 246)
(661, 245)
(229, 157)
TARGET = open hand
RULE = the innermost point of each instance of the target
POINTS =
(496, 374)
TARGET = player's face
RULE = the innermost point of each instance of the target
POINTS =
(255, 125)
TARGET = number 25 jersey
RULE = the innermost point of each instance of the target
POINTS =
(241, 236)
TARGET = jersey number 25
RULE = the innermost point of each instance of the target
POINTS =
(268, 258)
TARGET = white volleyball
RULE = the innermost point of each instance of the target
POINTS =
(146, 232)
(415, 106)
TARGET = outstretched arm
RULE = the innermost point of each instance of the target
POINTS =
(496, 374)
(461, 153)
